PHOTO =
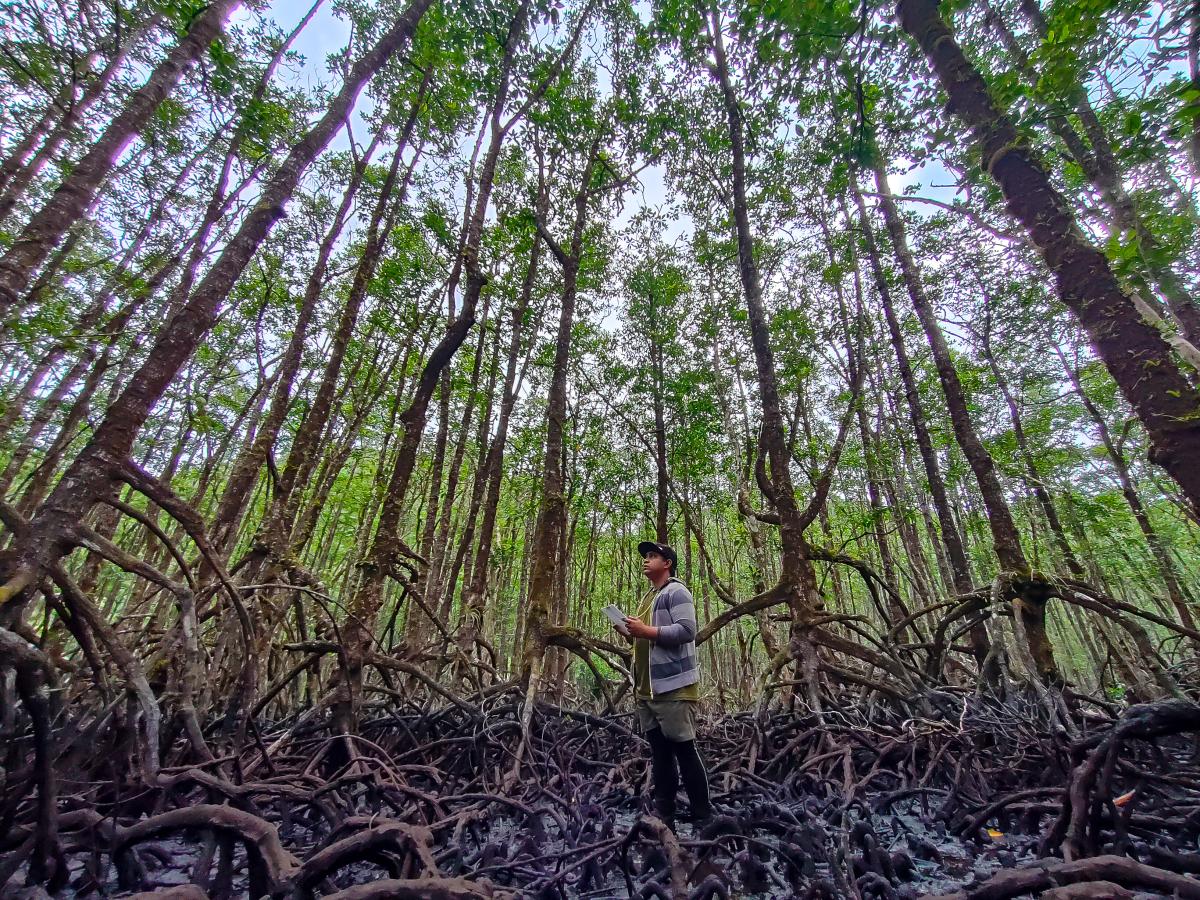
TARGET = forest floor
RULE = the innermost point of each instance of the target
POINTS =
(982, 798)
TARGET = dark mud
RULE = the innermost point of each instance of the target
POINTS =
(432, 804)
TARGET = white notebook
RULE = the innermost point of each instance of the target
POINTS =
(617, 618)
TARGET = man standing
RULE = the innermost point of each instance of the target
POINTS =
(666, 679)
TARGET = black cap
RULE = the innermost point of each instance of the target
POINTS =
(645, 548)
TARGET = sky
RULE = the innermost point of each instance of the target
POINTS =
(328, 34)
(324, 35)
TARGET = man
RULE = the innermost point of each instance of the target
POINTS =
(666, 679)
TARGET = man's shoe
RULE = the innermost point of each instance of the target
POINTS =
(665, 810)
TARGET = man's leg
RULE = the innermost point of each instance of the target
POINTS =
(664, 775)
(695, 778)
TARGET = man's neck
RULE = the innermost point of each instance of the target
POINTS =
(660, 580)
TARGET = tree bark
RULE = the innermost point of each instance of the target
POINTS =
(19, 170)
(78, 190)
(797, 585)
(550, 529)
(1100, 167)
(386, 548)
(1193, 53)
(92, 476)
(1134, 352)
(1036, 482)
(231, 507)
(662, 532)
(1030, 595)
(472, 607)
(951, 537)
(1166, 568)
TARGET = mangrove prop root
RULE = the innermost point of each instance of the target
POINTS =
(1044, 876)
(422, 802)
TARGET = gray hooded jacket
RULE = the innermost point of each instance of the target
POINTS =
(673, 661)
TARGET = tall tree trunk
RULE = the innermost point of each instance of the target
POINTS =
(19, 170)
(1158, 549)
(287, 524)
(879, 513)
(478, 483)
(1029, 593)
(1100, 167)
(782, 493)
(442, 592)
(759, 566)
(231, 506)
(1193, 53)
(952, 539)
(419, 624)
(1135, 353)
(1036, 482)
(387, 549)
(797, 585)
(78, 190)
(550, 528)
(472, 608)
(94, 473)
(871, 444)
(662, 532)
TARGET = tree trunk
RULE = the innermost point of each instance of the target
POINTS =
(19, 170)
(231, 507)
(1030, 596)
(1193, 53)
(1136, 355)
(549, 531)
(1036, 482)
(387, 548)
(479, 483)
(951, 536)
(1166, 568)
(662, 532)
(442, 593)
(418, 625)
(78, 190)
(1103, 171)
(93, 474)
(797, 585)
(471, 612)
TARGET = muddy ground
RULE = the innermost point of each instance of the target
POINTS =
(981, 797)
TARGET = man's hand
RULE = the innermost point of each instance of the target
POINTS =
(624, 635)
(640, 629)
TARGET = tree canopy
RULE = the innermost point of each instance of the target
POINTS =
(345, 384)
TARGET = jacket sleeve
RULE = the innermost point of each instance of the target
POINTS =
(682, 610)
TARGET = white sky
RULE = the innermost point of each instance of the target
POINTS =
(328, 34)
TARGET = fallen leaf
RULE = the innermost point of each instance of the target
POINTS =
(1124, 798)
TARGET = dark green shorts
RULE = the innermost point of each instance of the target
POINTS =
(676, 718)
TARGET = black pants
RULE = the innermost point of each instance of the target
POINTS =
(668, 759)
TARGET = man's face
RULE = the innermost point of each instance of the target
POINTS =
(654, 564)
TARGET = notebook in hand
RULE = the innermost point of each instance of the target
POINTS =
(617, 618)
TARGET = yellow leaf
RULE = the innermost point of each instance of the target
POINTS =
(993, 833)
